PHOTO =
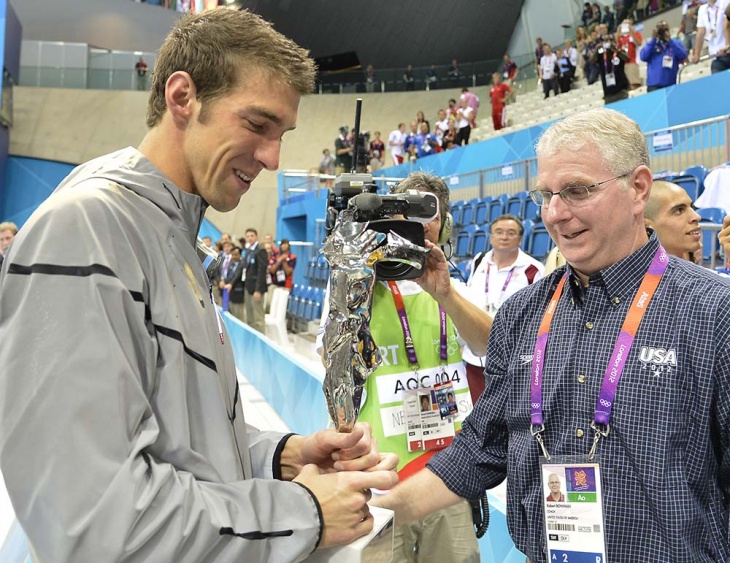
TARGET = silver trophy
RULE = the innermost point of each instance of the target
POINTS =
(359, 251)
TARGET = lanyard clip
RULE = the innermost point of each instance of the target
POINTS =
(536, 431)
(601, 430)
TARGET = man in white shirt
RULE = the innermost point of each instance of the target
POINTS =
(395, 142)
(547, 71)
(494, 277)
(712, 24)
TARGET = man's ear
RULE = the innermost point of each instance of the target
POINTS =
(642, 181)
(181, 97)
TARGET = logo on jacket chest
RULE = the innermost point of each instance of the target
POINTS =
(658, 360)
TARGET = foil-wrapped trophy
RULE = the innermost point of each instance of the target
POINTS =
(365, 243)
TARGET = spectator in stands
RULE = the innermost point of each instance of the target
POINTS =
(377, 152)
(688, 26)
(472, 100)
(141, 69)
(628, 41)
(453, 73)
(255, 281)
(493, 278)
(559, 344)
(417, 306)
(450, 136)
(463, 121)
(121, 433)
(426, 142)
(499, 94)
(234, 284)
(370, 79)
(669, 212)
(269, 239)
(431, 77)
(396, 140)
(408, 79)
(549, 71)
(663, 56)
(587, 15)
(573, 56)
(595, 15)
(608, 19)
(421, 118)
(343, 151)
(712, 23)
(539, 52)
(327, 166)
(8, 231)
(451, 109)
(441, 126)
(282, 267)
(410, 139)
(223, 270)
(510, 70)
(207, 241)
(612, 63)
(565, 76)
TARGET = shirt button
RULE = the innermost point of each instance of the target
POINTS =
(581, 378)
(579, 433)
(589, 325)
(616, 300)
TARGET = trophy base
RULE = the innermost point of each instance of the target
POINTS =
(376, 547)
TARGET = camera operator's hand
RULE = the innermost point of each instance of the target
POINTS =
(435, 279)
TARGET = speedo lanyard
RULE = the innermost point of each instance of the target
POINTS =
(616, 364)
(504, 287)
(405, 325)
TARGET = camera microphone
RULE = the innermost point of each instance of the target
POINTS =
(366, 202)
(412, 204)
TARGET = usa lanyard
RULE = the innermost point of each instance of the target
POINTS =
(504, 287)
(400, 307)
(616, 364)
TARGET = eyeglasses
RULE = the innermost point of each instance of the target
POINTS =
(571, 195)
(510, 233)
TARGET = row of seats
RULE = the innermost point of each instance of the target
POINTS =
(473, 239)
(318, 272)
(485, 210)
(305, 305)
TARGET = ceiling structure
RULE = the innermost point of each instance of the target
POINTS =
(395, 33)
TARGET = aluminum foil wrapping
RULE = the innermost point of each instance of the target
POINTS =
(350, 353)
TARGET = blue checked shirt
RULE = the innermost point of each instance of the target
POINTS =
(665, 463)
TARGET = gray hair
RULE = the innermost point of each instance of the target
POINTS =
(618, 139)
(424, 182)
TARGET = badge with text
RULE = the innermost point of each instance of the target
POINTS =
(425, 428)
(573, 508)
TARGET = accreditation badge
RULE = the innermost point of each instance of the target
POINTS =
(573, 506)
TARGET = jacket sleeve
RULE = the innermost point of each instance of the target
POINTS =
(647, 50)
(79, 434)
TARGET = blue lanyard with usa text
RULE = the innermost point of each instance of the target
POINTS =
(616, 364)
(400, 307)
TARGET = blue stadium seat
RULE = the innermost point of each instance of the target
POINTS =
(532, 211)
(464, 241)
(457, 209)
(528, 225)
(699, 172)
(712, 215)
(709, 237)
(539, 244)
(497, 207)
(467, 217)
(516, 205)
(482, 210)
(480, 240)
(463, 267)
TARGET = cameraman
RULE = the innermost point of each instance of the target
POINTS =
(446, 535)
(662, 55)
(612, 61)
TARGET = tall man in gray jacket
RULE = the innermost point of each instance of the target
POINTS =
(121, 431)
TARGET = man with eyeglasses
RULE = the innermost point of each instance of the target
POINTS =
(495, 276)
(614, 369)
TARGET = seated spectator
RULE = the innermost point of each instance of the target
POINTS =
(377, 152)
(426, 142)
(669, 212)
(628, 41)
(408, 79)
(282, 267)
(431, 77)
(499, 94)
(662, 55)
(510, 70)
(549, 71)
(453, 73)
(611, 66)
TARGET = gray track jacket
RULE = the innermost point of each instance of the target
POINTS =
(121, 434)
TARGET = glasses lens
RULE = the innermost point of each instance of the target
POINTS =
(537, 197)
(575, 194)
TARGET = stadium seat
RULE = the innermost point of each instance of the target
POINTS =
(497, 206)
(713, 215)
(539, 243)
(516, 205)
(464, 241)
(457, 209)
(467, 216)
(532, 211)
(527, 225)
(480, 240)
(699, 172)
(482, 210)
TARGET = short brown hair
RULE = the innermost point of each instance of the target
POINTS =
(213, 46)
(425, 182)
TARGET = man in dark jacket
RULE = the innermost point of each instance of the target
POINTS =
(234, 284)
(255, 281)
